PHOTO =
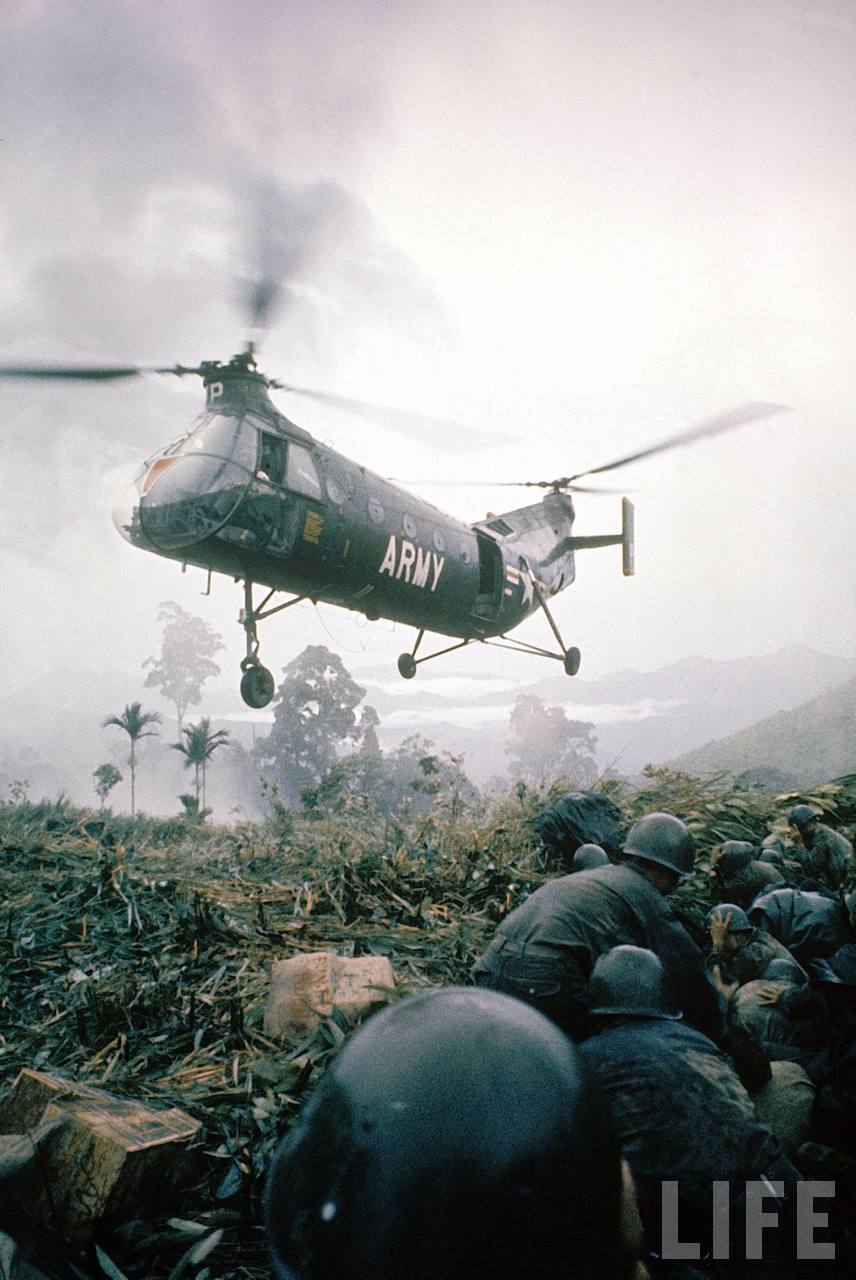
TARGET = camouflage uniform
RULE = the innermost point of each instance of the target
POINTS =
(544, 951)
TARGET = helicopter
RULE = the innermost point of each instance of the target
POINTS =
(248, 493)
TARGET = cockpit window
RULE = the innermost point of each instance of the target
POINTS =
(302, 474)
(223, 436)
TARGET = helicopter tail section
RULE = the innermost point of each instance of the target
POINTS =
(625, 539)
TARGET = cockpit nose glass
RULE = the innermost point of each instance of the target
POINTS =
(188, 496)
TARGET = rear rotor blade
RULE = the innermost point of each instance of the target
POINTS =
(507, 484)
(457, 438)
(737, 417)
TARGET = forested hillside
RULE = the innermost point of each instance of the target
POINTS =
(813, 741)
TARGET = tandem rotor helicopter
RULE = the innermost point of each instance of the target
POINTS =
(248, 493)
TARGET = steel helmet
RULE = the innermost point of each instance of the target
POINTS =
(662, 838)
(739, 922)
(588, 856)
(735, 855)
(457, 1134)
(782, 970)
(802, 814)
(629, 980)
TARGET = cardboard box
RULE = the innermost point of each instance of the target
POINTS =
(305, 988)
(111, 1157)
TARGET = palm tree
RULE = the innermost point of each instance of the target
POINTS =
(198, 747)
(135, 722)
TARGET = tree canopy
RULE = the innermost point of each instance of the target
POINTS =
(186, 658)
(546, 744)
(315, 717)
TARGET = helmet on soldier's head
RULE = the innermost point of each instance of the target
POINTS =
(628, 981)
(664, 839)
(587, 856)
(802, 814)
(739, 852)
(729, 914)
(782, 970)
(457, 1132)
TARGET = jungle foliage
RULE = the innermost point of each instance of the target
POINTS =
(135, 955)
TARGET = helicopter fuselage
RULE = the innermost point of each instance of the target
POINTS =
(250, 494)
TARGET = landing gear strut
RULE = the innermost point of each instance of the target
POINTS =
(257, 683)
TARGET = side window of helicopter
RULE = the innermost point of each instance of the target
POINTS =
(376, 512)
(466, 554)
(271, 458)
(439, 540)
(408, 524)
(302, 473)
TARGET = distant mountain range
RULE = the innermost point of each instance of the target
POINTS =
(812, 743)
(703, 713)
(639, 717)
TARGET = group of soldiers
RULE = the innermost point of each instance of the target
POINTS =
(611, 1100)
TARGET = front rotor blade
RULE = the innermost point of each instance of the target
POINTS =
(738, 417)
(83, 373)
(456, 438)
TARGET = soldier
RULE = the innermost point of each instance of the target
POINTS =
(544, 950)
(458, 1136)
(682, 1114)
(755, 1008)
(829, 1003)
(810, 925)
(825, 855)
(738, 876)
(740, 952)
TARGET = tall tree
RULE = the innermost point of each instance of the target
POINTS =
(186, 658)
(106, 776)
(314, 718)
(545, 744)
(136, 724)
(199, 745)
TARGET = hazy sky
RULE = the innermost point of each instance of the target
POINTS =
(578, 225)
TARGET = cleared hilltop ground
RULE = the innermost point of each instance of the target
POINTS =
(136, 957)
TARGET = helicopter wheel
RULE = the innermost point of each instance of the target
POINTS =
(257, 686)
(571, 661)
(406, 665)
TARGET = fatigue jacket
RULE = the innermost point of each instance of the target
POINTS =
(680, 1110)
(830, 858)
(752, 958)
(576, 918)
(744, 885)
(781, 1037)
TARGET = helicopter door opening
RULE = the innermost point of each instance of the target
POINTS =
(271, 458)
(489, 595)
